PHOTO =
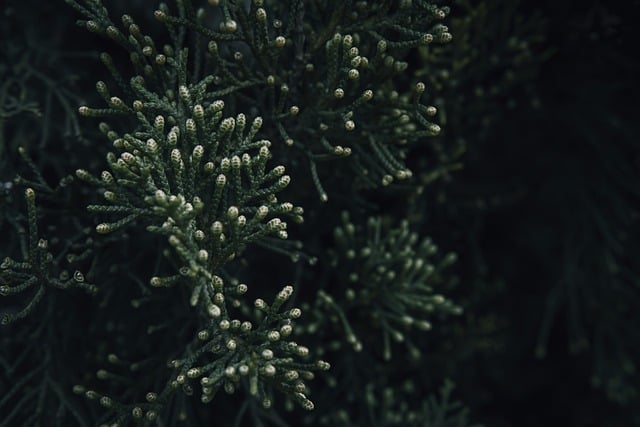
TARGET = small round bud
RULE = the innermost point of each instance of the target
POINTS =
(236, 162)
(103, 228)
(426, 39)
(190, 125)
(158, 123)
(128, 157)
(231, 26)
(274, 224)
(116, 102)
(382, 46)
(273, 336)
(203, 335)
(269, 370)
(152, 146)
(110, 196)
(183, 91)
(338, 93)
(80, 173)
(209, 167)
(262, 212)
(353, 74)
(172, 138)
(92, 26)
(230, 371)
(101, 87)
(280, 42)
(214, 310)
(198, 152)
(260, 304)
(218, 298)
(284, 181)
(349, 125)
(176, 156)
(106, 402)
(295, 313)
(322, 365)
(267, 354)
(232, 213)
(291, 375)
(198, 112)
(203, 255)
(285, 293)
(286, 330)
(261, 15)
(224, 324)
(216, 227)
(217, 106)
(231, 345)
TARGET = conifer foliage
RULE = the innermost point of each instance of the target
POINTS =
(284, 213)
(204, 121)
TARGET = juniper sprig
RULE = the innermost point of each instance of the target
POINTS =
(386, 278)
(37, 271)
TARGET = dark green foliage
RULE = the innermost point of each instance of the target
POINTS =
(384, 278)
(181, 161)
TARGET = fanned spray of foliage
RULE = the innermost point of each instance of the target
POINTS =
(385, 279)
(187, 171)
